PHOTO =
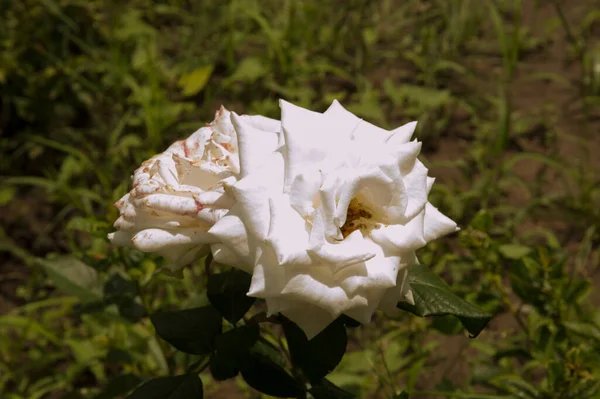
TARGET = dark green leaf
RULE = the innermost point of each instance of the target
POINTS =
(264, 348)
(227, 292)
(319, 356)
(122, 292)
(448, 325)
(177, 387)
(132, 310)
(328, 390)
(232, 350)
(117, 287)
(433, 298)
(401, 395)
(189, 330)
(73, 277)
(119, 385)
(349, 321)
(266, 376)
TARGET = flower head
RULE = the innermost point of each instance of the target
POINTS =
(179, 194)
(328, 221)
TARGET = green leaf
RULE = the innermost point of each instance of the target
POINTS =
(266, 376)
(189, 330)
(319, 356)
(448, 325)
(73, 277)
(401, 395)
(232, 350)
(587, 330)
(349, 321)
(227, 293)
(119, 385)
(483, 221)
(328, 390)
(122, 292)
(195, 81)
(249, 70)
(117, 288)
(433, 298)
(177, 387)
(29, 325)
(513, 251)
(7, 193)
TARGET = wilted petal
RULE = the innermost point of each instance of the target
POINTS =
(179, 194)
(151, 240)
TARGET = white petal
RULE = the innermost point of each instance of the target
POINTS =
(361, 130)
(379, 272)
(363, 314)
(222, 254)
(183, 255)
(193, 174)
(150, 240)
(398, 238)
(430, 181)
(402, 134)
(303, 192)
(262, 123)
(309, 137)
(288, 235)
(231, 232)
(400, 291)
(254, 144)
(252, 193)
(169, 203)
(317, 286)
(121, 238)
(353, 249)
(328, 195)
(267, 280)
(167, 172)
(311, 319)
(416, 188)
(437, 224)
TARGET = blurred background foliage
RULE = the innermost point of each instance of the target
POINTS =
(507, 95)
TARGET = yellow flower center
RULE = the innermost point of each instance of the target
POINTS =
(358, 217)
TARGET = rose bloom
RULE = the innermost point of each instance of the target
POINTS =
(328, 221)
(179, 194)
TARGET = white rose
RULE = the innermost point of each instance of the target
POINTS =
(178, 195)
(329, 222)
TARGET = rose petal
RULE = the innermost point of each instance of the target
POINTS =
(254, 144)
(311, 319)
(402, 134)
(437, 224)
(151, 240)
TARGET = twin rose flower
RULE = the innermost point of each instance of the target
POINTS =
(324, 210)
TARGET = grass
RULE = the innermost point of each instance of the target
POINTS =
(507, 94)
